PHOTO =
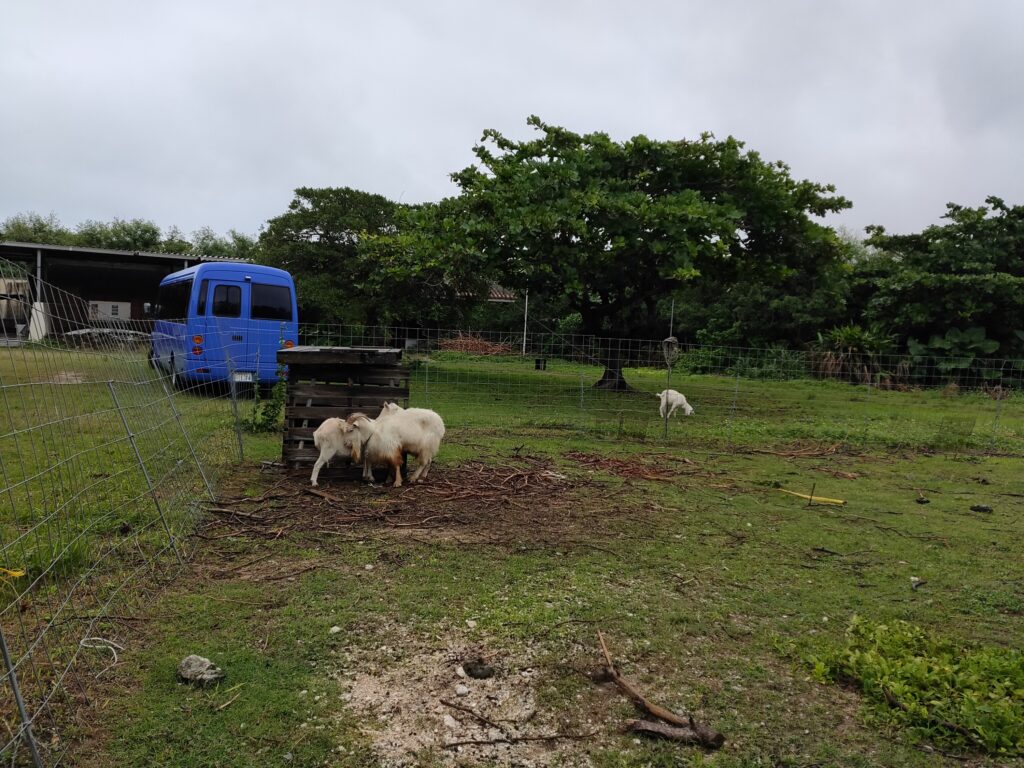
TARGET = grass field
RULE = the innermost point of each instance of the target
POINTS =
(341, 622)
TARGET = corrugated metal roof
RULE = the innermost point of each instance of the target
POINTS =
(78, 249)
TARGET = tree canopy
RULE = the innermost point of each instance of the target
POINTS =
(124, 235)
(617, 226)
(967, 273)
(318, 239)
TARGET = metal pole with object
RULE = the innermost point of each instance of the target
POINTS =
(526, 315)
(26, 721)
(670, 349)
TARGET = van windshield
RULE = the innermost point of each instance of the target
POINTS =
(173, 300)
(271, 302)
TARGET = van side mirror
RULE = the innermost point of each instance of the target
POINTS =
(149, 309)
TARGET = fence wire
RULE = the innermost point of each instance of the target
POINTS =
(105, 462)
(548, 379)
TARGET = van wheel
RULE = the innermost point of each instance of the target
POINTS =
(177, 382)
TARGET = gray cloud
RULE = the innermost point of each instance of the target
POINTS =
(194, 113)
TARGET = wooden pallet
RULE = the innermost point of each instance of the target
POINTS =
(326, 382)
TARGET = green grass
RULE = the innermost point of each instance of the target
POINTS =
(712, 589)
(711, 599)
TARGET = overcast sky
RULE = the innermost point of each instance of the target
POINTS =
(211, 113)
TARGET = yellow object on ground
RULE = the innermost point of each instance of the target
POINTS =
(815, 499)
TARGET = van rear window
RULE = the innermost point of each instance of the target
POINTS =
(271, 302)
(201, 301)
(173, 301)
(227, 301)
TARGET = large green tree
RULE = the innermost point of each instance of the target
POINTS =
(614, 227)
(358, 257)
(320, 240)
(965, 274)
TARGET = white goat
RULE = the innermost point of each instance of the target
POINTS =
(384, 440)
(327, 438)
(670, 400)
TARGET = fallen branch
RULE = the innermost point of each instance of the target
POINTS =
(892, 701)
(473, 713)
(704, 736)
(323, 495)
(685, 735)
(519, 739)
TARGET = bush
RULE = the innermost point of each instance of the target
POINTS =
(961, 696)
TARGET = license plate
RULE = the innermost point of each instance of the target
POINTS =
(242, 377)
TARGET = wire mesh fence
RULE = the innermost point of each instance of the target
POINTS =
(573, 380)
(105, 461)
(107, 453)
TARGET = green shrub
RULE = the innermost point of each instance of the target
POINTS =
(961, 696)
(266, 413)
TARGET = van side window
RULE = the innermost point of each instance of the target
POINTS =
(271, 302)
(204, 288)
(227, 301)
(173, 300)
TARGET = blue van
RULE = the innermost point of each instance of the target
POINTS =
(224, 321)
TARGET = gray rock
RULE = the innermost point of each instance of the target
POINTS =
(199, 671)
(461, 690)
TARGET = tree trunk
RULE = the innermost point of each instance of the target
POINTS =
(612, 378)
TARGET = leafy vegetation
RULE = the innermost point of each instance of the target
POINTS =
(961, 696)
(124, 235)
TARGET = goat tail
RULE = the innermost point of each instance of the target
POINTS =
(316, 440)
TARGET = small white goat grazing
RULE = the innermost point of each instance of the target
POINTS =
(327, 438)
(670, 400)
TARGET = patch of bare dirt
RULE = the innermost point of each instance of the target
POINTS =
(425, 703)
(530, 499)
(68, 377)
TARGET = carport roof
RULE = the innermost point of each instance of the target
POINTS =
(78, 250)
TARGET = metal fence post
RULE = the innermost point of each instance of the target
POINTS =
(426, 380)
(145, 472)
(238, 421)
(188, 441)
(735, 397)
(26, 721)
(995, 424)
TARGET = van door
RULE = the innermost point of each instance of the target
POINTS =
(272, 317)
(230, 329)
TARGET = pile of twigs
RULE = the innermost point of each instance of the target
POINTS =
(459, 496)
(635, 468)
(474, 345)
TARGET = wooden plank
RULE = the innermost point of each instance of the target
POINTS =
(338, 355)
(327, 393)
(354, 380)
(298, 412)
(296, 434)
(322, 372)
